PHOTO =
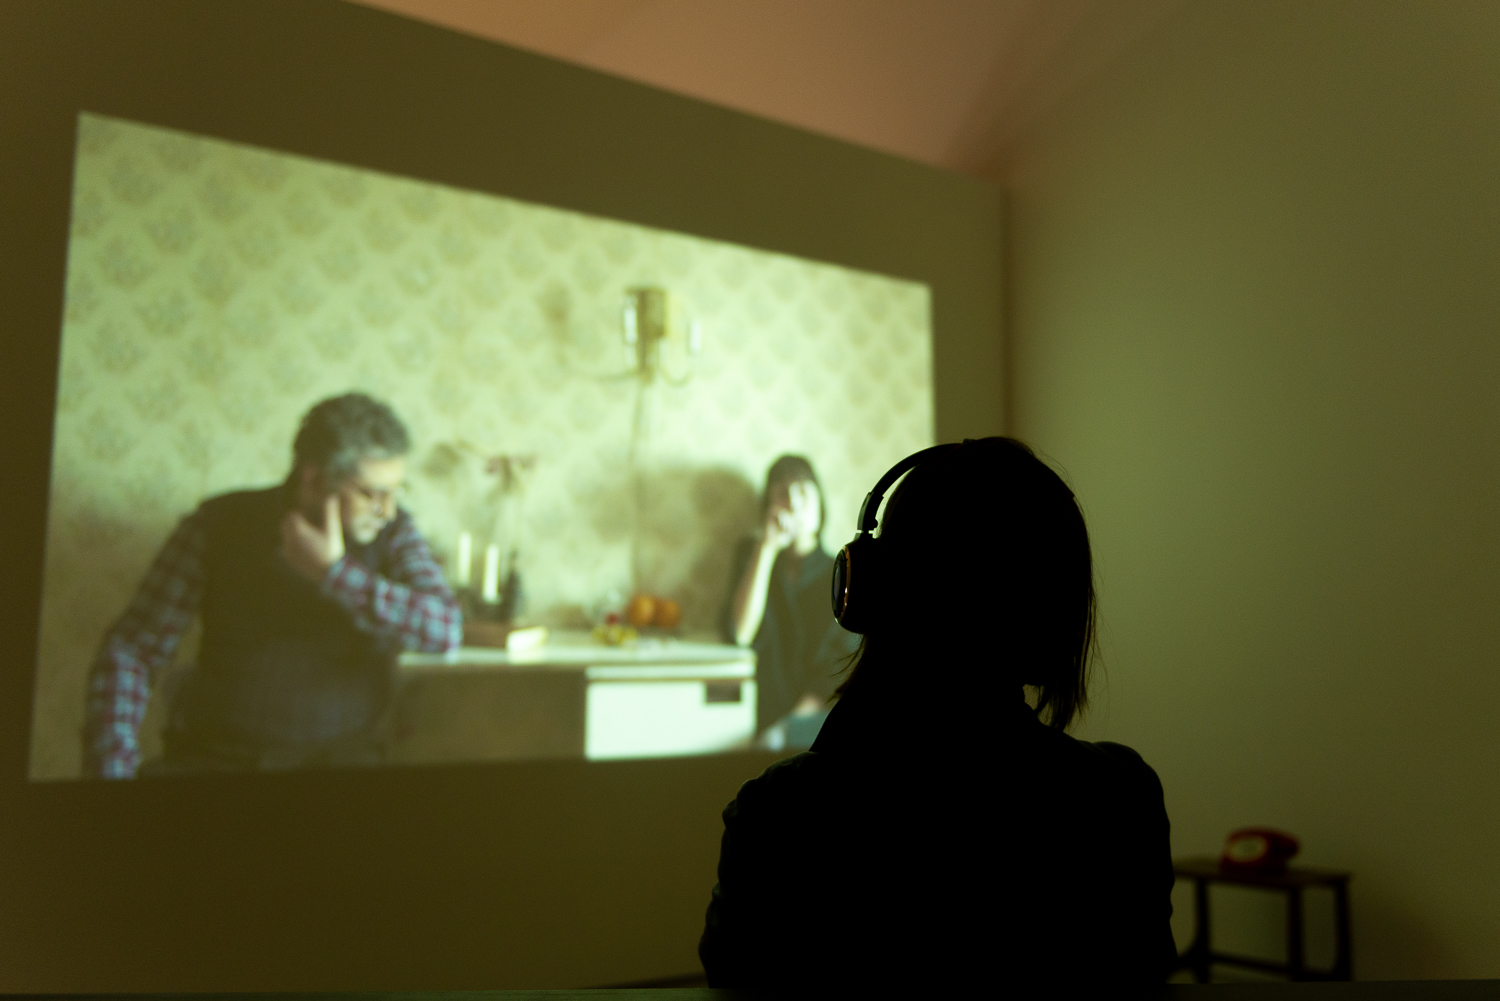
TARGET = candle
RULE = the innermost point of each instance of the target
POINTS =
(461, 574)
(491, 591)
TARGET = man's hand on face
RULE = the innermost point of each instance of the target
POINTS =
(311, 550)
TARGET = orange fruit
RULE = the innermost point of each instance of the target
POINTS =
(668, 613)
(641, 610)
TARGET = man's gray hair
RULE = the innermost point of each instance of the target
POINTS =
(340, 431)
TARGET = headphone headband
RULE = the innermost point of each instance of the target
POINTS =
(871, 506)
(856, 608)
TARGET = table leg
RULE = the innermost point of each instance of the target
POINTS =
(1295, 962)
(1198, 951)
(1343, 960)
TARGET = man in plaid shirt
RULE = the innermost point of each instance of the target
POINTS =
(307, 591)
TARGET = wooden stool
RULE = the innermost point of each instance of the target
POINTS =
(1201, 955)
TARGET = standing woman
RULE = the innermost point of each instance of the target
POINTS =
(942, 830)
(778, 600)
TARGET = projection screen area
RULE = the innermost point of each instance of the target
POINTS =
(545, 549)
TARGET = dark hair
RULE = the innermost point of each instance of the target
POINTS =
(987, 546)
(785, 471)
(340, 431)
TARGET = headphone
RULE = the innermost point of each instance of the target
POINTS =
(858, 570)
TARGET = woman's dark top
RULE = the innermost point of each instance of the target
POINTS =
(799, 648)
(991, 850)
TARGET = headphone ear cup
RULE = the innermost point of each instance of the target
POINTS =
(857, 584)
(840, 593)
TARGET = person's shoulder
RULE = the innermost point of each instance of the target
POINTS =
(238, 502)
(786, 785)
(1127, 763)
(1121, 756)
(789, 774)
(1104, 760)
(1121, 786)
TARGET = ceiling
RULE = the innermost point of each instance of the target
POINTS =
(951, 83)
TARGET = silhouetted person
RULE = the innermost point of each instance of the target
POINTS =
(778, 600)
(941, 830)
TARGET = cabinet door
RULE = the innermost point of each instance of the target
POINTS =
(652, 719)
(488, 716)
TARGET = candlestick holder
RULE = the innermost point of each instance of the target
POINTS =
(506, 607)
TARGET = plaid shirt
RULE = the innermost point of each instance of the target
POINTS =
(409, 606)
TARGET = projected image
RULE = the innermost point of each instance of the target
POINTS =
(351, 470)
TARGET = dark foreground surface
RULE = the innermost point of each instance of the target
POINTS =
(1392, 990)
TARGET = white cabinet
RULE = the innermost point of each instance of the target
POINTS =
(691, 709)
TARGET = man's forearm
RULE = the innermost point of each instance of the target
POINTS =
(137, 647)
(118, 692)
(415, 618)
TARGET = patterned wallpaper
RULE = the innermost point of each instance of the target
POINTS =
(215, 291)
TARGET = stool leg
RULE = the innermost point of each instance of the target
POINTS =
(1295, 963)
(1198, 952)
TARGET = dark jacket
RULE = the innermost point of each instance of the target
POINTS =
(985, 848)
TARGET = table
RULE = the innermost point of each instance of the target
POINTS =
(574, 697)
(1201, 954)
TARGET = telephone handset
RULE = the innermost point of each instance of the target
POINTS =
(1260, 849)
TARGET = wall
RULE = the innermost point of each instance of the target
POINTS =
(1254, 316)
(556, 874)
(216, 291)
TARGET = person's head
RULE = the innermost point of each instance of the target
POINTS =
(986, 547)
(353, 446)
(791, 485)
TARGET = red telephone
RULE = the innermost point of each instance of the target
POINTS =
(1259, 849)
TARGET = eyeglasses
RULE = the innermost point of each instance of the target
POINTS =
(384, 501)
